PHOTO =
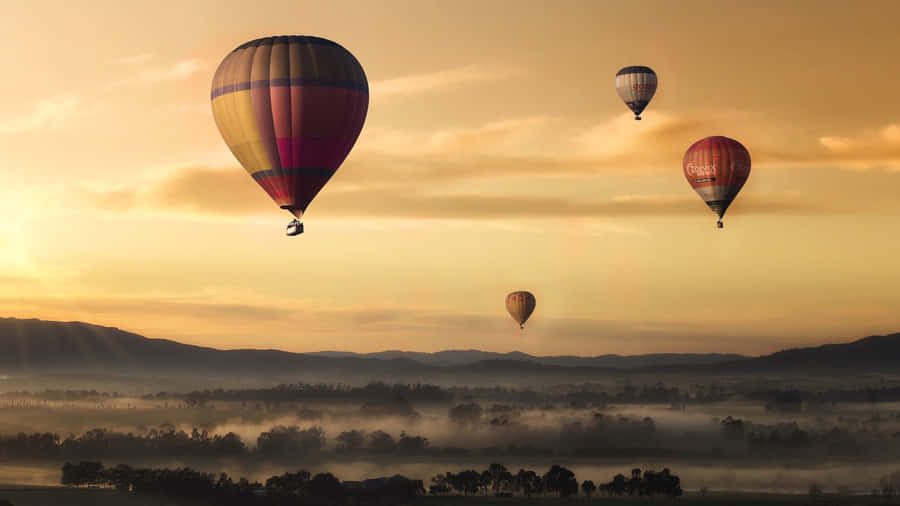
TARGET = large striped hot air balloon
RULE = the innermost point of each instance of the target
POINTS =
(290, 108)
(636, 86)
(717, 168)
(520, 306)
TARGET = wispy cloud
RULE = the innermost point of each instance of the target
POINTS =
(202, 109)
(869, 149)
(437, 81)
(135, 59)
(177, 71)
(236, 195)
(50, 112)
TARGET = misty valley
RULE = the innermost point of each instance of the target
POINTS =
(714, 435)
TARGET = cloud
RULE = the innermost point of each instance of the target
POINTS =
(135, 59)
(177, 71)
(445, 174)
(200, 190)
(535, 146)
(437, 81)
(203, 109)
(46, 113)
(233, 193)
(869, 149)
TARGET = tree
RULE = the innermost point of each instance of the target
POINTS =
(501, 479)
(467, 482)
(561, 480)
(327, 487)
(83, 473)
(528, 482)
(411, 444)
(588, 488)
(288, 483)
(634, 484)
(351, 441)
(466, 413)
(290, 441)
(618, 485)
(441, 483)
(381, 442)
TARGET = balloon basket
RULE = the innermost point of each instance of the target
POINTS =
(294, 228)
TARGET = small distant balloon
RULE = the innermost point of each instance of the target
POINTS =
(520, 306)
(636, 86)
(717, 168)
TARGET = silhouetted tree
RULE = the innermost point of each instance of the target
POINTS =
(381, 442)
(466, 413)
(290, 441)
(327, 488)
(411, 444)
(467, 482)
(588, 488)
(527, 482)
(560, 480)
(351, 441)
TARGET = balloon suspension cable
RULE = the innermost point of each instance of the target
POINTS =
(719, 224)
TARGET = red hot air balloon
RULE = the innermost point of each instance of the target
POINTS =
(717, 168)
(290, 108)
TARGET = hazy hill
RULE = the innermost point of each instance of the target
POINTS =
(874, 353)
(464, 357)
(36, 347)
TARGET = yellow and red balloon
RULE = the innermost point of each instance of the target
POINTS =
(290, 108)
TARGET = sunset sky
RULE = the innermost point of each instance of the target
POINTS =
(496, 157)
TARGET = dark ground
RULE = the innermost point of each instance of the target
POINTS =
(61, 496)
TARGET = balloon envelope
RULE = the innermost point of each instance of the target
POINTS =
(636, 86)
(520, 306)
(290, 108)
(717, 168)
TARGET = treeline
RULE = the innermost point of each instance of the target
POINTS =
(308, 392)
(786, 398)
(287, 489)
(60, 395)
(790, 440)
(326, 489)
(498, 481)
(279, 442)
(578, 395)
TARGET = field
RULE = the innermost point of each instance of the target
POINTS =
(61, 496)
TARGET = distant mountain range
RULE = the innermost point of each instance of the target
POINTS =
(37, 347)
(449, 358)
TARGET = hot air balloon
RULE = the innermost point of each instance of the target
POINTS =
(717, 168)
(290, 109)
(520, 306)
(636, 86)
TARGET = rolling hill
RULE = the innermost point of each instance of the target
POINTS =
(37, 347)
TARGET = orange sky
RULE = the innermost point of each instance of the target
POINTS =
(496, 157)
